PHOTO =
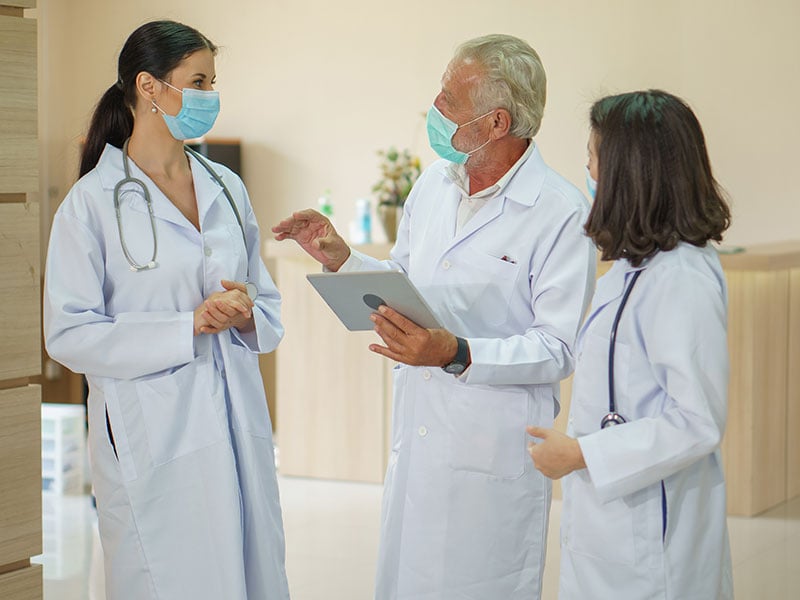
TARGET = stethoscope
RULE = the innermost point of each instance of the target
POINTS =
(613, 417)
(252, 290)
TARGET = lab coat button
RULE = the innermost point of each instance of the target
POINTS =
(446, 265)
(423, 431)
(207, 251)
(426, 374)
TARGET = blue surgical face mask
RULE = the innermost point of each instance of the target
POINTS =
(591, 184)
(199, 110)
(440, 136)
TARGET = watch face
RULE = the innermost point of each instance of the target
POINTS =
(454, 368)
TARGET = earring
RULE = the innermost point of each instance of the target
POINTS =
(154, 109)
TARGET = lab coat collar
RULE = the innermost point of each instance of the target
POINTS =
(614, 283)
(111, 171)
(526, 184)
(457, 173)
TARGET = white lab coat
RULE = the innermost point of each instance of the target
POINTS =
(187, 497)
(671, 377)
(464, 512)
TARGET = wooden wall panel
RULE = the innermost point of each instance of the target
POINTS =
(20, 353)
(20, 474)
(793, 391)
(22, 584)
(19, 3)
(18, 139)
(20, 342)
(754, 447)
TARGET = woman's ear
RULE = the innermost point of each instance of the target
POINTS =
(146, 86)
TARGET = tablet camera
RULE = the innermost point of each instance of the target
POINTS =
(373, 301)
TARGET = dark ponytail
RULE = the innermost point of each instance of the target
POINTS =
(112, 123)
(157, 48)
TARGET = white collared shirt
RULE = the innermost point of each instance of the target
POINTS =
(469, 205)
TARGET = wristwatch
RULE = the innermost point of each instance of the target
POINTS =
(460, 363)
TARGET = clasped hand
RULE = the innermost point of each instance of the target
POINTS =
(223, 310)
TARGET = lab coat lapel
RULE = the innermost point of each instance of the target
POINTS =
(206, 189)
(112, 172)
(523, 188)
(487, 214)
(610, 287)
(163, 208)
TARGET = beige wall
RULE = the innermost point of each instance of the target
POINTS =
(314, 87)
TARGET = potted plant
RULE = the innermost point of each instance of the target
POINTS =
(399, 171)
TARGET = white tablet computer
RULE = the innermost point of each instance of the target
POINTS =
(355, 295)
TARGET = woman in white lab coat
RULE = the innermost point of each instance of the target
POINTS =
(150, 302)
(644, 497)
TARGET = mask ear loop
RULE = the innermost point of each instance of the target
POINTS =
(156, 107)
(471, 152)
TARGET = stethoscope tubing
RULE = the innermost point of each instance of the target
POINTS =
(252, 291)
(613, 417)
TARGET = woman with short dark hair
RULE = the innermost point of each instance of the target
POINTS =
(644, 491)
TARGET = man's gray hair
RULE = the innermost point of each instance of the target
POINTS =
(514, 80)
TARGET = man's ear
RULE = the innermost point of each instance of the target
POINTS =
(501, 123)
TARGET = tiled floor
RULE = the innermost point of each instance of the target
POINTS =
(331, 543)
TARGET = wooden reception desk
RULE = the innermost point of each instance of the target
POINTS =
(333, 396)
(761, 448)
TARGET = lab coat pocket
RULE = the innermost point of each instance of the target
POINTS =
(484, 288)
(179, 411)
(599, 530)
(247, 392)
(487, 431)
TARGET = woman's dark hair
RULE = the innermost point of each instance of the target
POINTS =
(655, 186)
(156, 47)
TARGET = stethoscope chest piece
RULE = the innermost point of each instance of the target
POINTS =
(612, 419)
(138, 268)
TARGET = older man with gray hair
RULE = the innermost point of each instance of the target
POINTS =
(494, 240)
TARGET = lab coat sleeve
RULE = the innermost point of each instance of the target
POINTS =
(560, 293)
(78, 332)
(682, 320)
(267, 310)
